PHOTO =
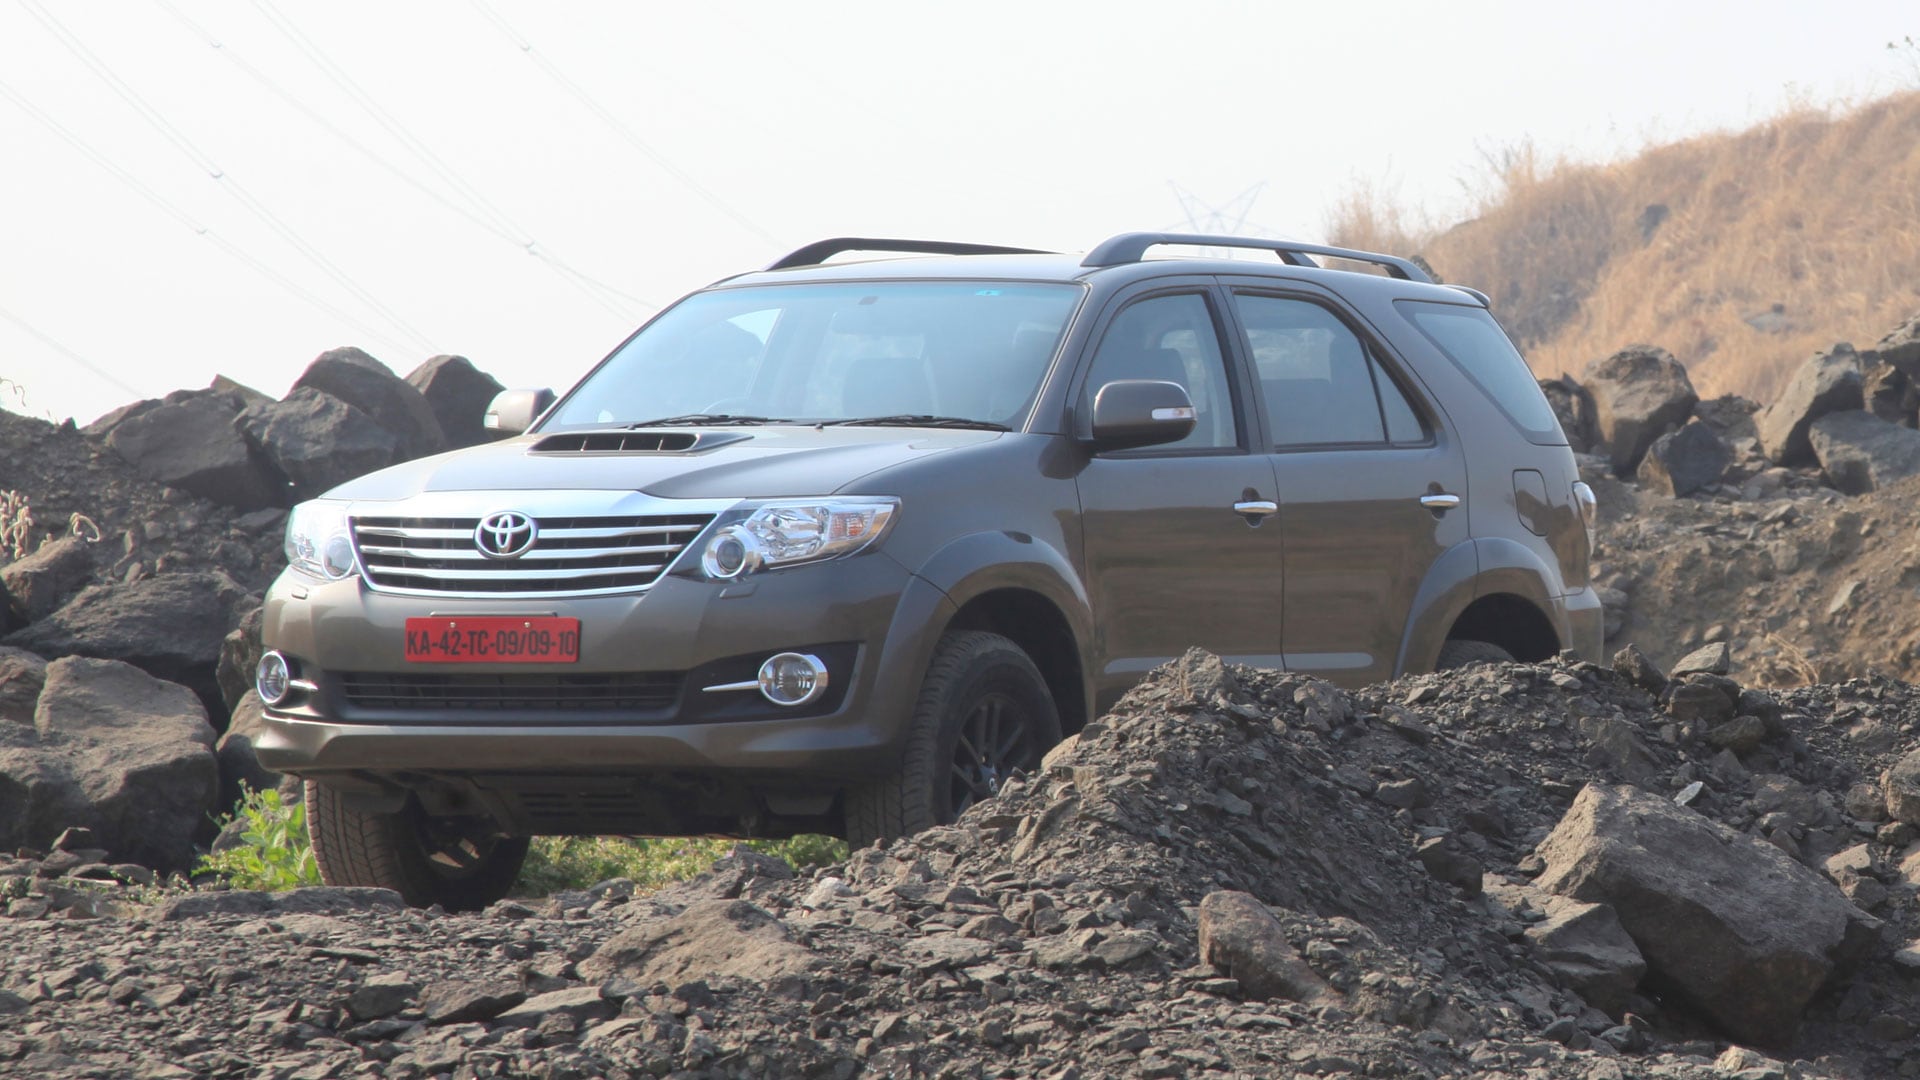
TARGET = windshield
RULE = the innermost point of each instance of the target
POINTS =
(961, 350)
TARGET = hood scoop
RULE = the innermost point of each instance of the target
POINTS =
(636, 442)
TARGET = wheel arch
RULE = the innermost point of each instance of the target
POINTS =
(1487, 589)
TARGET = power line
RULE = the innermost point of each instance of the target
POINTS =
(501, 223)
(186, 146)
(146, 192)
(56, 346)
(619, 128)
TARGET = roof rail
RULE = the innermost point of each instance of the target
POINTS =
(821, 250)
(1132, 247)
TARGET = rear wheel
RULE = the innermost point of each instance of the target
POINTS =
(460, 863)
(1459, 652)
(983, 712)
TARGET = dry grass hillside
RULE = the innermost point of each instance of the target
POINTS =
(1740, 253)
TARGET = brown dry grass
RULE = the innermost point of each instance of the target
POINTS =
(1814, 215)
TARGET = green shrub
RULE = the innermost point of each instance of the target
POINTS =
(575, 862)
(274, 853)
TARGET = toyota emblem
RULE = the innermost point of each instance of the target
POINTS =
(507, 534)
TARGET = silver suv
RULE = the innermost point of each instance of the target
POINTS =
(836, 547)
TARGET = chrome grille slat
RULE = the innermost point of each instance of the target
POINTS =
(571, 556)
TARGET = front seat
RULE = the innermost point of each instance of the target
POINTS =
(886, 386)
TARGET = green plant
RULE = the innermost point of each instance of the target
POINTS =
(274, 853)
(575, 862)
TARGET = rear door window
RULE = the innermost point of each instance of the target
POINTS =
(1321, 384)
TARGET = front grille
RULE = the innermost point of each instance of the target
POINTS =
(576, 556)
(623, 692)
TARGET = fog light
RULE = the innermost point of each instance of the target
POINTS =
(337, 556)
(733, 552)
(273, 678)
(792, 678)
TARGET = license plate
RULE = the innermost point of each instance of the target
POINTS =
(493, 639)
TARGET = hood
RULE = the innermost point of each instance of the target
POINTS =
(767, 463)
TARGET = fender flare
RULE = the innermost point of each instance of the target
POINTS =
(983, 562)
(1469, 570)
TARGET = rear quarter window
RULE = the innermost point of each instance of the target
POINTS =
(1468, 335)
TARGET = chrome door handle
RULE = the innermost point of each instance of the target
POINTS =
(1256, 507)
(1441, 501)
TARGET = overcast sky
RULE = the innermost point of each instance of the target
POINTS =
(202, 187)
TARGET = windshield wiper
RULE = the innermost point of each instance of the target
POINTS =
(701, 419)
(917, 420)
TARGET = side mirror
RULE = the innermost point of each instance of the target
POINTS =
(514, 411)
(1140, 412)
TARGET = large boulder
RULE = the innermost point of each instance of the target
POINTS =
(37, 585)
(189, 442)
(711, 939)
(170, 625)
(352, 376)
(114, 750)
(1890, 394)
(1860, 452)
(1639, 394)
(1682, 462)
(22, 674)
(1902, 787)
(459, 394)
(1573, 405)
(318, 441)
(1901, 347)
(1828, 383)
(1731, 922)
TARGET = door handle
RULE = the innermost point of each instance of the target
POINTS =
(1256, 508)
(1440, 501)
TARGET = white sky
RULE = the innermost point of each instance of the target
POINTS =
(1038, 124)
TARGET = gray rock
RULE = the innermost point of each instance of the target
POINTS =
(117, 751)
(318, 441)
(381, 996)
(1713, 659)
(1639, 670)
(1682, 462)
(459, 394)
(37, 585)
(1901, 347)
(1587, 949)
(1901, 784)
(170, 625)
(191, 444)
(351, 376)
(457, 1001)
(1243, 940)
(313, 900)
(22, 674)
(238, 762)
(1828, 383)
(711, 939)
(581, 1004)
(1702, 701)
(1639, 393)
(1446, 861)
(1859, 452)
(1574, 408)
(1744, 931)
(1742, 735)
(240, 654)
(1890, 394)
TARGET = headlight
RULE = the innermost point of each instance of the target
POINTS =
(318, 542)
(785, 532)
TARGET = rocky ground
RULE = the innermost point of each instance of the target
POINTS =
(1542, 871)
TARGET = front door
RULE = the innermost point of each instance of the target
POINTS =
(1179, 546)
(1371, 484)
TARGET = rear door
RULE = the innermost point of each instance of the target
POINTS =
(1371, 484)
(1177, 543)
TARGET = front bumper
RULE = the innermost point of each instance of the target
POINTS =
(1586, 624)
(874, 621)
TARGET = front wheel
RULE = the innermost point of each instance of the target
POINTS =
(1459, 652)
(462, 864)
(984, 711)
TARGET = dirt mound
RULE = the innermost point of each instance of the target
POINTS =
(1055, 931)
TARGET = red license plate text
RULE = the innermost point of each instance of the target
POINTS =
(493, 639)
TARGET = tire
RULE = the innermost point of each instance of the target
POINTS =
(458, 863)
(979, 689)
(1459, 652)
